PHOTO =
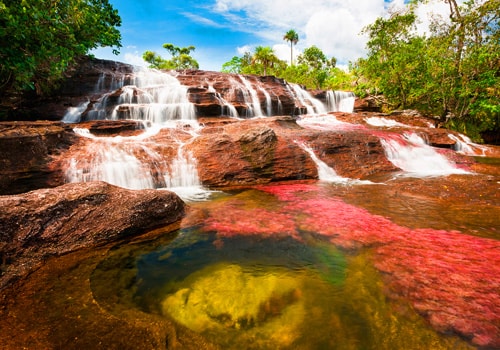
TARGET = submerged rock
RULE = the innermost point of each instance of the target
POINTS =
(51, 222)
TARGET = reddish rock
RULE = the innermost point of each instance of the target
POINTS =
(112, 127)
(207, 90)
(50, 222)
(263, 150)
(26, 150)
(368, 104)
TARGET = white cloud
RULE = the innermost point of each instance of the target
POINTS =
(332, 25)
(282, 51)
(427, 11)
(202, 20)
(134, 59)
(244, 49)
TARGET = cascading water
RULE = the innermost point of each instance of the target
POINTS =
(269, 104)
(340, 101)
(160, 101)
(111, 160)
(413, 155)
(326, 173)
(250, 96)
(227, 108)
(312, 105)
(326, 122)
(465, 146)
(384, 122)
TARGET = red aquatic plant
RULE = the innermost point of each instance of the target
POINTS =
(451, 278)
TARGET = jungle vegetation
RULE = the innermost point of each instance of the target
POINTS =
(451, 72)
(41, 39)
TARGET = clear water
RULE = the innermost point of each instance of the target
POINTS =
(298, 267)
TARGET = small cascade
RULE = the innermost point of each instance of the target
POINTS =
(340, 101)
(464, 145)
(151, 96)
(228, 108)
(73, 114)
(269, 104)
(413, 155)
(326, 122)
(118, 163)
(280, 106)
(312, 105)
(325, 173)
(132, 162)
(183, 176)
(251, 98)
(106, 85)
(383, 122)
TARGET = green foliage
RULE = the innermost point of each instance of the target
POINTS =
(233, 66)
(265, 57)
(314, 68)
(317, 64)
(40, 39)
(452, 73)
(181, 58)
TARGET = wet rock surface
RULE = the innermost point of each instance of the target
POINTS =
(78, 221)
(26, 150)
(51, 222)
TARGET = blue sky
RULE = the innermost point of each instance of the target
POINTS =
(221, 29)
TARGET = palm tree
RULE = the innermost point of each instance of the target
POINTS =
(264, 55)
(293, 38)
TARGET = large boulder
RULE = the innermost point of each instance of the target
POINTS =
(50, 222)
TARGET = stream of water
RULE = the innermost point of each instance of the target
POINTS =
(330, 264)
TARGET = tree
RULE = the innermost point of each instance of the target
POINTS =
(293, 38)
(265, 56)
(318, 66)
(40, 39)
(393, 63)
(181, 58)
(452, 73)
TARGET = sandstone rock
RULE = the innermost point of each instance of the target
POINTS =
(79, 85)
(258, 151)
(26, 150)
(51, 222)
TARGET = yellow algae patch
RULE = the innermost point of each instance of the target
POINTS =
(226, 298)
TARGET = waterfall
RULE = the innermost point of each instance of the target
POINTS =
(73, 114)
(326, 122)
(133, 163)
(183, 176)
(250, 97)
(326, 173)
(464, 145)
(413, 155)
(151, 96)
(269, 105)
(312, 105)
(384, 122)
(340, 101)
(228, 108)
(116, 162)
(159, 101)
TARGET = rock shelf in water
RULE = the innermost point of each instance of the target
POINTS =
(51, 222)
